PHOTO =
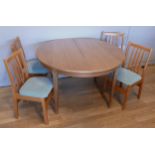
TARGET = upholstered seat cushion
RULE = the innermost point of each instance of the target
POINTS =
(127, 77)
(35, 67)
(38, 87)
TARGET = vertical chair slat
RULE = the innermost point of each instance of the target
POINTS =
(131, 55)
(139, 59)
(134, 58)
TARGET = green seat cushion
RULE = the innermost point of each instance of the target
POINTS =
(127, 77)
(39, 87)
(35, 67)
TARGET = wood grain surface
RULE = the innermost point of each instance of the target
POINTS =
(80, 57)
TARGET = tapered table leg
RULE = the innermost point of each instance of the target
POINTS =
(56, 91)
(114, 79)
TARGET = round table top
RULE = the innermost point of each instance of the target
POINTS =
(80, 57)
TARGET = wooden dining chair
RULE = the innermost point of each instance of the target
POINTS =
(114, 38)
(24, 88)
(34, 65)
(133, 70)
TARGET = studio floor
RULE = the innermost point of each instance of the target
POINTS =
(83, 106)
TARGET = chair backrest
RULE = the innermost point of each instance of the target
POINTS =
(114, 38)
(16, 45)
(137, 57)
(17, 70)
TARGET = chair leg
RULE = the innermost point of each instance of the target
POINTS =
(140, 90)
(45, 112)
(127, 91)
(16, 108)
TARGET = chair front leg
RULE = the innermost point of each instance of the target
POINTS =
(126, 95)
(45, 111)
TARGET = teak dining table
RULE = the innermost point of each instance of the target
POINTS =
(81, 57)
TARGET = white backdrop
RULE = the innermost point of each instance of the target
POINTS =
(32, 36)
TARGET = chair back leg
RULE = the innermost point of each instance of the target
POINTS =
(16, 107)
(140, 90)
